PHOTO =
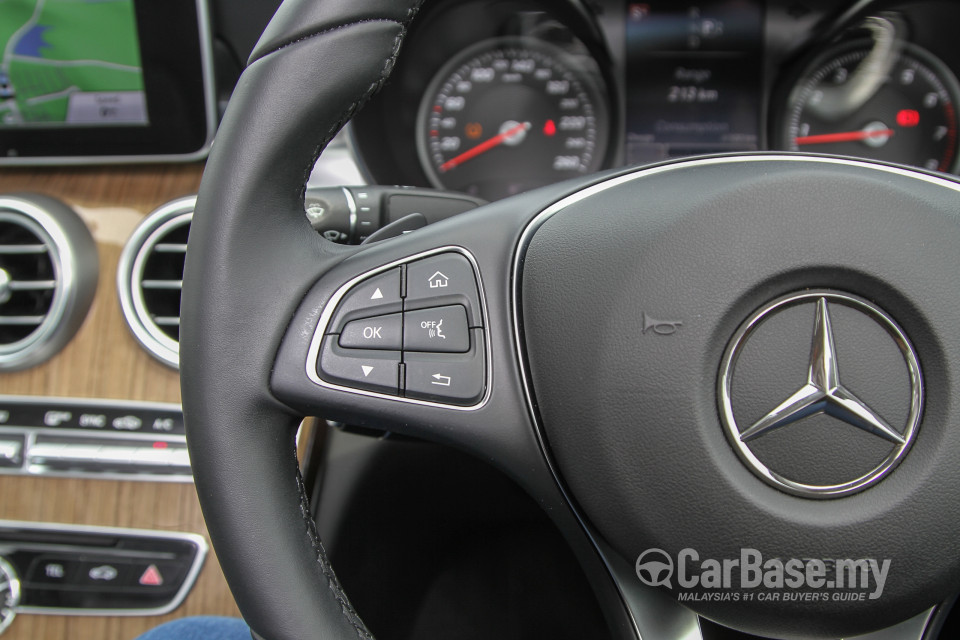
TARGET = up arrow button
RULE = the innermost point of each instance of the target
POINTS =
(375, 296)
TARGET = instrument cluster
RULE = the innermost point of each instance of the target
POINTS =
(496, 97)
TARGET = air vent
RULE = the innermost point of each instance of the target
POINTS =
(150, 277)
(28, 279)
(48, 275)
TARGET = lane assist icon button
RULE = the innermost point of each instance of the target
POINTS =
(437, 330)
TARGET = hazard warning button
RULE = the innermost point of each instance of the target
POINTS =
(151, 577)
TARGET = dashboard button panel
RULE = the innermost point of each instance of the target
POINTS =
(433, 350)
(76, 570)
(92, 438)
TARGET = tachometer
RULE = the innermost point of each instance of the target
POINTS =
(897, 104)
(511, 114)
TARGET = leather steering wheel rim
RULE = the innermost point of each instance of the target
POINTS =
(258, 277)
(314, 58)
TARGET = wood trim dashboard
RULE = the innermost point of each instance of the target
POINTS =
(104, 361)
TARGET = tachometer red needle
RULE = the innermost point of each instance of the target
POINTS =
(845, 136)
(484, 146)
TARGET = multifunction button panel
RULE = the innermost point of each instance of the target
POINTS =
(84, 570)
(414, 330)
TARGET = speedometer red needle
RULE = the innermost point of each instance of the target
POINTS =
(484, 146)
(844, 136)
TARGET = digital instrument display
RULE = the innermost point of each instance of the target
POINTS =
(693, 77)
(59, 70)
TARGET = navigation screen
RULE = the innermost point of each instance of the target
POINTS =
(694, 75)
(70, 63)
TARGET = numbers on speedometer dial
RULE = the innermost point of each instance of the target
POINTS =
(511, 114)
(843, 106)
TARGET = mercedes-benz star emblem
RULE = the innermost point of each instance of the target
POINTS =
(823, 393)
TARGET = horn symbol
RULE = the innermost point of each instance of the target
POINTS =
(660, 327)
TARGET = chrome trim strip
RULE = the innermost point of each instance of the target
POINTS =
(198, 541)
(210, 109)
(130, 277)
(313, 353)
(209, 83)
(352, 206)
(546, 214)
(30, 438)
(91, 402)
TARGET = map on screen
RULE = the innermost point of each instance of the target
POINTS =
(70, 63)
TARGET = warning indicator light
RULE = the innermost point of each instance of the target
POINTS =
(908, 117)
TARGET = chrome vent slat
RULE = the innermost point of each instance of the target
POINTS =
(150, 279)
(21, 321)
(168, 247)
(23, 249)
(162, 284)
(28, 291)
(32, 285)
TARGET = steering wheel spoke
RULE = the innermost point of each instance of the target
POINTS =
(411, 333)
(416, 335)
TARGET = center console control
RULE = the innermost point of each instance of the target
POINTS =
(92, 438)
(413, 330)
(68, 569)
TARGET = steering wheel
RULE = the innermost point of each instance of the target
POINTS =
(728, 380)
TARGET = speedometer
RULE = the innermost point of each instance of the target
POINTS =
(512, 114)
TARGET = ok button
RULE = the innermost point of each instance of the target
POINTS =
(380, 332)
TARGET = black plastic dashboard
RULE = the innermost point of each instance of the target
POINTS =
(494, 98)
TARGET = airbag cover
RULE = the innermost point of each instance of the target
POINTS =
(630, 293)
